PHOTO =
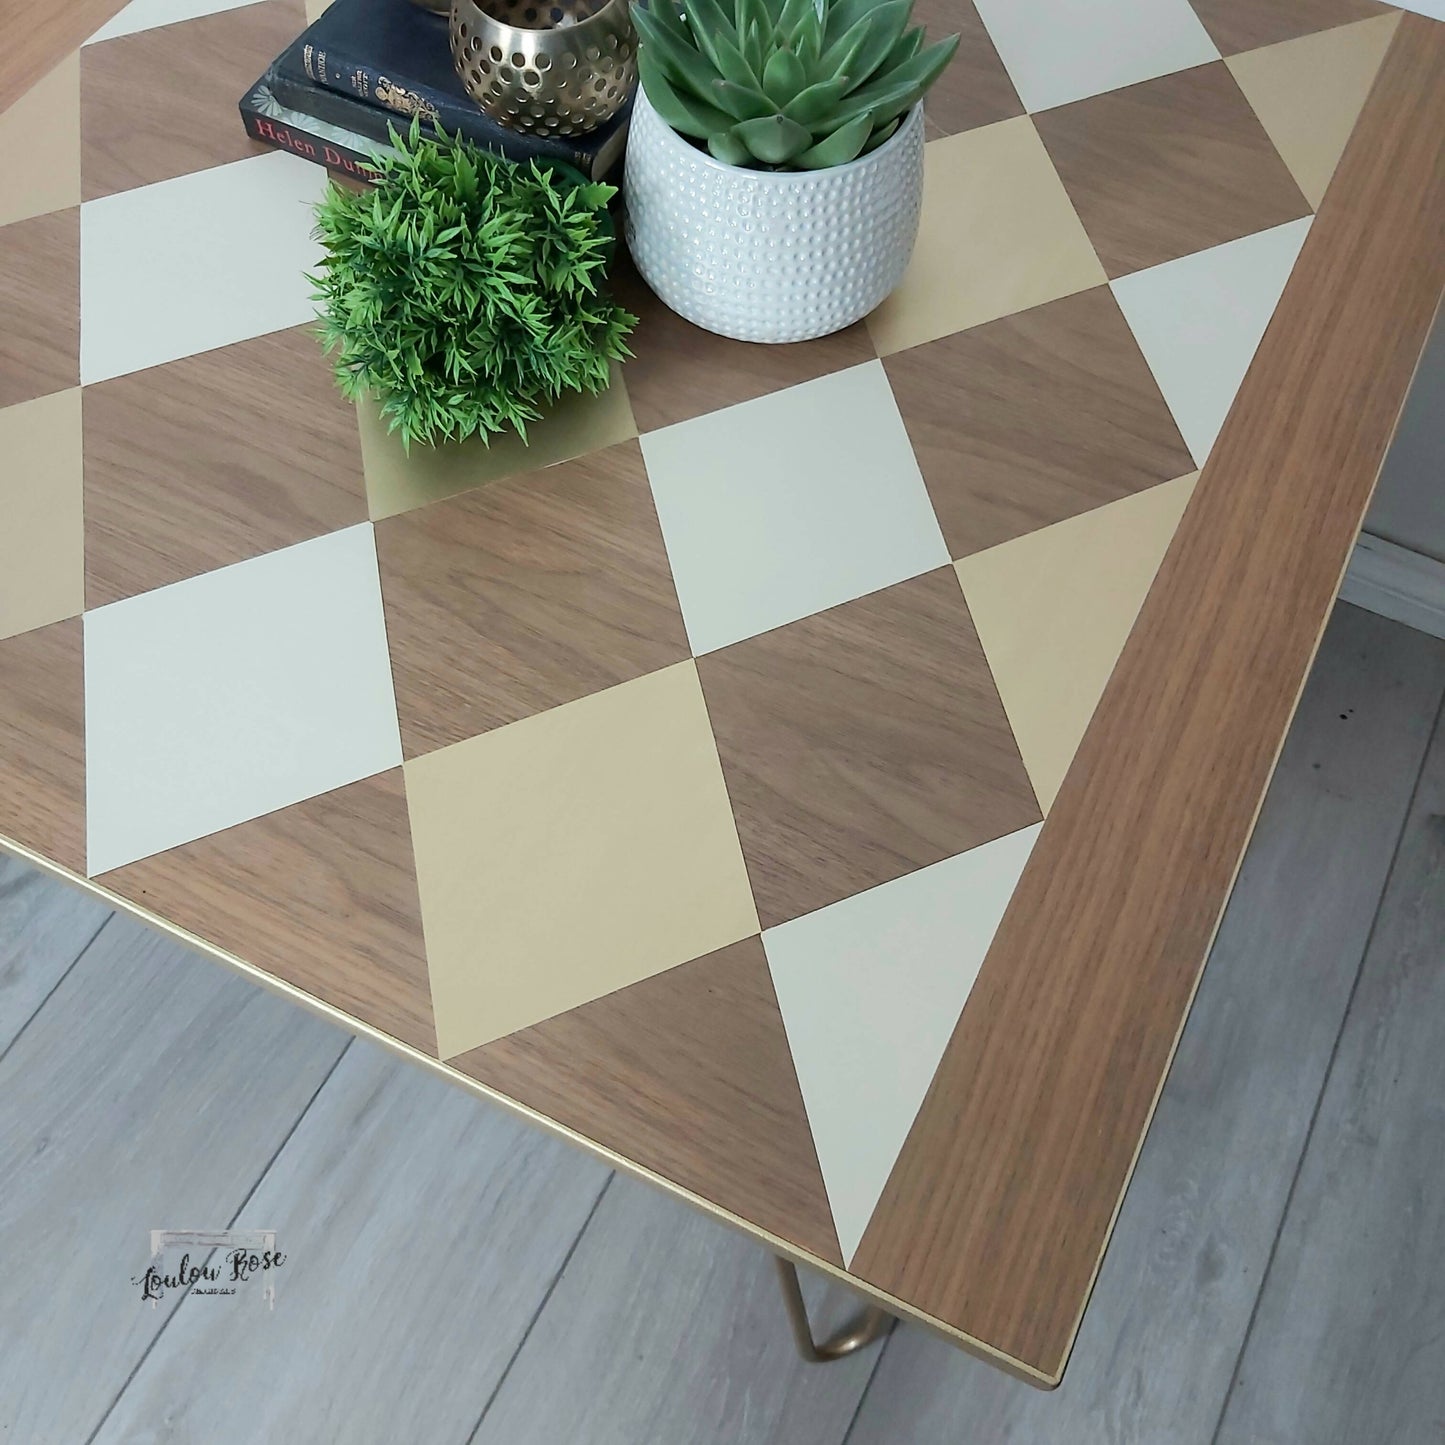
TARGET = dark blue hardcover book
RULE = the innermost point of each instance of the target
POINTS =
(394, 57)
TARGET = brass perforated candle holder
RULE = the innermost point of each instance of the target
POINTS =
(552, 67)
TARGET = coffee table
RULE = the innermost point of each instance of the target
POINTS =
(808, 777)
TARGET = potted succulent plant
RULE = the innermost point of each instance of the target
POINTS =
(775, 166)
(464, 292)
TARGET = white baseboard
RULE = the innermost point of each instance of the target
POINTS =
(1397, 583)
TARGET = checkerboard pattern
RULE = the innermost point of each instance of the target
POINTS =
(671, 773)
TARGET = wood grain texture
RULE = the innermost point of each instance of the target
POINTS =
(664, 1328)
(39, 306)
(42, 741)
(174, 71)
(1236, 25)
(321, 894)
(518, 597)
(44, 927)
(150, 1065)
(863, 743)
(1348, 1343)
(37, 38)
(1172, 1306)
(278, 461)
(421, 1232)
(690, 1075)
(975, 89)
(1026, 421)
(1004, 1195)
(678, 371)
(1169, 167)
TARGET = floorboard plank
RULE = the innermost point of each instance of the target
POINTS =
(1349, 1342)
(421, 1228)
(149, 1092)
(1173, 1301)
(666, 1327)
(43, 928)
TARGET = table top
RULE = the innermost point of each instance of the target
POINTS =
(809, 775)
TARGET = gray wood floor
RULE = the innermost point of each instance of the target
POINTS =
(1278, 1272)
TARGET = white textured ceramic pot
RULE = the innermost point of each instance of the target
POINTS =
(770, 255)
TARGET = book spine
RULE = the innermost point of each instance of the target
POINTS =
(289, 137)
(346, 109)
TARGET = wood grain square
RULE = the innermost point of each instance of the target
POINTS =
(148, 101)
(688, 1074)
(322, 895)
(42, 742)
(1236, 25)
(679, 371)
(1169, 167)
(1022, 422)
(39, 306)
(278, 461)
(975, 89)
(861, 744)
(517, 597)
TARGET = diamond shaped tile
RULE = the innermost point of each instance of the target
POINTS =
(277, 461)
(321, 894)
(1054, 610)
(39, 305)
(1059, 51)
(525, 594)
(870, 991)
(179, 69)
(1169, 167)
(1244, 24)
(42, 742)
(789, 504)
(1308, 93)
(861, 744)
(397, 480)
(975, 89)
(41, 568)
(703, 1043)
(573, 853)
(40, 146)
(679, 371)
(197, 262)
(998, 234)
(232, 694)
(141, 15)
(1199, 319)
(1031, 419)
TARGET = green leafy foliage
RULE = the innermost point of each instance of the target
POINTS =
(464, 291)
(785, 84)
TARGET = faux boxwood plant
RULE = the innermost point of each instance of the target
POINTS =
(785, 84)
(465, 291)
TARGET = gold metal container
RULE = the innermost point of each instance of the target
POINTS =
(553, 67)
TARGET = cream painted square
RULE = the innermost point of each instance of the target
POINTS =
(1056, 51)
(1053, 610)
(1199, 320)
(148, 14)
(784, 506)
(189, 264)
(398, 480)
(573, 853)
(232, 694)
(40, 146)
(870, 990)
(42, 543)
(998, 234)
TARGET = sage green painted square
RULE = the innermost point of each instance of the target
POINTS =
(398, 481)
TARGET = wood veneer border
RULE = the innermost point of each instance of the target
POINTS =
(999, 1210)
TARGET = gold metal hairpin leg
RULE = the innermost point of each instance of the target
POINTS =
(871, 1325)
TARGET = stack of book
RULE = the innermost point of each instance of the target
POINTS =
(365, 65)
